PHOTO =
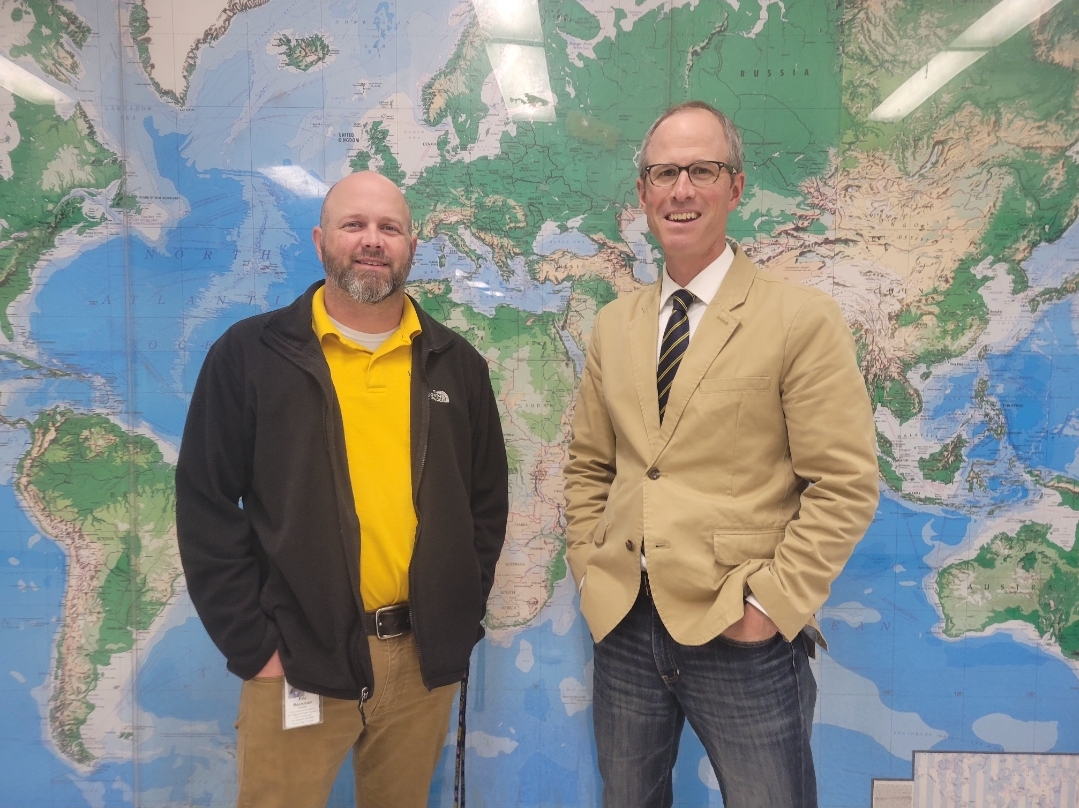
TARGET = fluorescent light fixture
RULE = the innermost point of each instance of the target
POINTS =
(297, 180)
(1001, 22)
(518, 20)
(521, 73)
(26, 85)
(914, 92)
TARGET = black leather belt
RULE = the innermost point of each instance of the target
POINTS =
(389, 621)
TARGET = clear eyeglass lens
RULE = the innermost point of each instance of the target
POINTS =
(705, 172)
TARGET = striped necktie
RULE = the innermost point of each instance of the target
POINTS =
(675, 340)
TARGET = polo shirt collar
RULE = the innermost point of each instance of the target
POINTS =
(407, 330)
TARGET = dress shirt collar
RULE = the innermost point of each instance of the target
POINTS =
(705, 283)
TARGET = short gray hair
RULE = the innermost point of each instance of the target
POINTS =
(735, 157)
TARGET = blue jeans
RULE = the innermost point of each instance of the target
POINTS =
(751, 705)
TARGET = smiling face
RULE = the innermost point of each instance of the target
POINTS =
(364, 239)
(689, 221)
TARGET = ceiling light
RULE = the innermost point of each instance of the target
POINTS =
(1001, 22)
(521, 73)
(25, 84)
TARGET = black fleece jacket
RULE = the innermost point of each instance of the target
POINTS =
(265, 516)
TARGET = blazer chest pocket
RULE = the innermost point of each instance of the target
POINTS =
(736, 384)
(734, 547)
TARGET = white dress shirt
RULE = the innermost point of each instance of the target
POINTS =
(704, 286)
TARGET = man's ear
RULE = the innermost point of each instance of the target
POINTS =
(316, 237)
(738, 187)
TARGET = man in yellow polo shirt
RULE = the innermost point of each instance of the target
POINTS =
(342, 493)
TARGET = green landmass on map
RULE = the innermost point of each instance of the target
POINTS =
(886, 461)
(378, 140)
(1066, 487)
(1024, 121)
(302, 53)
(991, 409)
(525, 354)
(1066, 289)
(942, 465)
(557, 171)
(139, 27)
(108, 498)
(897, 395)
(54, 161)
(54, 27)
(454, 92)
(1024, 577)
(533, 380)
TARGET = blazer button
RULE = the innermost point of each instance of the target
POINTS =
(653, 473)
(629, 545)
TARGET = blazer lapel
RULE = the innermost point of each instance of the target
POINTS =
(709, 338)
(643, 338)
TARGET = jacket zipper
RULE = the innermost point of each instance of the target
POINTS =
(365, 691)
(425, 410)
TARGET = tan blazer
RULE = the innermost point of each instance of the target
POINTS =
(762, 477)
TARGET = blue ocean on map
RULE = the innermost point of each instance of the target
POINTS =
(33, 583)
(1037, 384)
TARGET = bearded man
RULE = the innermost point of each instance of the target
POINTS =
(341, 502)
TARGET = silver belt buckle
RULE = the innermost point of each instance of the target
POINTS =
(378, 621)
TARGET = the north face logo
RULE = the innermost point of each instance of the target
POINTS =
(440, 396)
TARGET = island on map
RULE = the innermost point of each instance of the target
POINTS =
(942, 465)
(301, 54)
(169, 35)
(106, 496)
(1024, 577)
(45, 31)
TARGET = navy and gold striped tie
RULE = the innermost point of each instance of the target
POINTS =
(675, 340)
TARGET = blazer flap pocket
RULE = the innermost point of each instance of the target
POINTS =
(600, 531)
(736, 384)
(735, 547)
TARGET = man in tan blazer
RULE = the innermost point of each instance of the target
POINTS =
(722, 468)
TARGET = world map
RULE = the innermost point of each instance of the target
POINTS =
(162, 163)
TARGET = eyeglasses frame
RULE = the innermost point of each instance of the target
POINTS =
(646, 172)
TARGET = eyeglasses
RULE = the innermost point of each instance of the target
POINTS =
(702, 172)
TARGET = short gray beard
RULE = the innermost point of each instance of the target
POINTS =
(364, 286)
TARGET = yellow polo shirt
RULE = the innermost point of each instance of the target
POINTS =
(373, 390)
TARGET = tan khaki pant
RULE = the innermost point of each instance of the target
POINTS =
(393, 758)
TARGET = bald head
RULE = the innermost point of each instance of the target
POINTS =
(364, 241)
(369, 184)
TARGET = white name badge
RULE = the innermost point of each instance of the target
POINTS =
(302, 709)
